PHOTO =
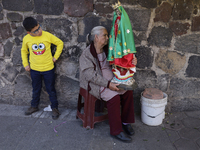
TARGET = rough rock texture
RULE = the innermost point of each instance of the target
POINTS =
(14, 17)
(192, 46)
(144, 57)
(5, 31)
(85, 25)
(193, 67)
(163, 13)
(195, 24)
(187, 98)
(179, 28)
(59, 27)
(101, 8)
(78, 8)
(160, 36)
(170, 62)
(140, 19)
(19, 5)
(8, 48)
(166, 34)
(182, 9)
(50, 7)
(148, 3)
(1, 50)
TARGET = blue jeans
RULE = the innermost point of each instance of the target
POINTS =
(49, 80)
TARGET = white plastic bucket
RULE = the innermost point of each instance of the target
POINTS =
(153, 111)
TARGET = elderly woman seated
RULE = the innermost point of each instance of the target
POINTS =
(95, 76)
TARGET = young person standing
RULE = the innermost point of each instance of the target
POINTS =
(37, 44)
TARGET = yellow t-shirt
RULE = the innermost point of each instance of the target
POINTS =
(39, 50)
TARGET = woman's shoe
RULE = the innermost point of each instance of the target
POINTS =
(128, 129)
(123, 137)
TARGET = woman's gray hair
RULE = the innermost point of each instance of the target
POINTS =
(95, 31)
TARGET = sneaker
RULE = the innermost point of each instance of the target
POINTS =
(31, 110)
(55, 113)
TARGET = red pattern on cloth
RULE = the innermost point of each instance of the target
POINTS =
(124, 62)
(116, 26)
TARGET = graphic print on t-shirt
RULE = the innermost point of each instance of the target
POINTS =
(38, 49)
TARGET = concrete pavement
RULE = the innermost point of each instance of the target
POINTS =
(179, 131)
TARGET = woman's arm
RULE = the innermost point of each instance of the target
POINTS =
(89, 71)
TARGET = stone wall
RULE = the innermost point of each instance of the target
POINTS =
(167, 37)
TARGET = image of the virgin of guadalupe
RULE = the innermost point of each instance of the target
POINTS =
(122, 49)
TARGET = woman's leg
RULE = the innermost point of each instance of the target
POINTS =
(127, 107)
(113, 106)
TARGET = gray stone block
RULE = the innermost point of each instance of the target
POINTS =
(148, 3)
(192, 46)
(23, 90)
(160, 36)
(1, 50)
(1, 16)
(72, 53)
(145, 78)
(39, 18)
(189, 89)
(85, 26)
(102, 8)
(1, 8)
(19, 5)
(13, 25)
(23, 85)
(19, 31)
(50, 7)
(8, 48)
(184, 104)
(139, 18)
(17, 41)
(193, 67)
(138, 38)
(69, 68)
(2, 64)
(5, 31)
(16, 59)
(78, 8)
(170, 62)
(163, 82)
(59, 27)
(9, 73)
(144, 57)
(68, 92)
(14, 17)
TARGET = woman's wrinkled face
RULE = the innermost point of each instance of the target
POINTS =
(102, 38)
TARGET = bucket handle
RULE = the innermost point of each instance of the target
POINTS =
(153, 116)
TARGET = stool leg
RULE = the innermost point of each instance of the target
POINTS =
(78, 105)
(89, 110)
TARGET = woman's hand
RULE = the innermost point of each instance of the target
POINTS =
(134, 60)
(113, 86)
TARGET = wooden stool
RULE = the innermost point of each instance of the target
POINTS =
(88, 116)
